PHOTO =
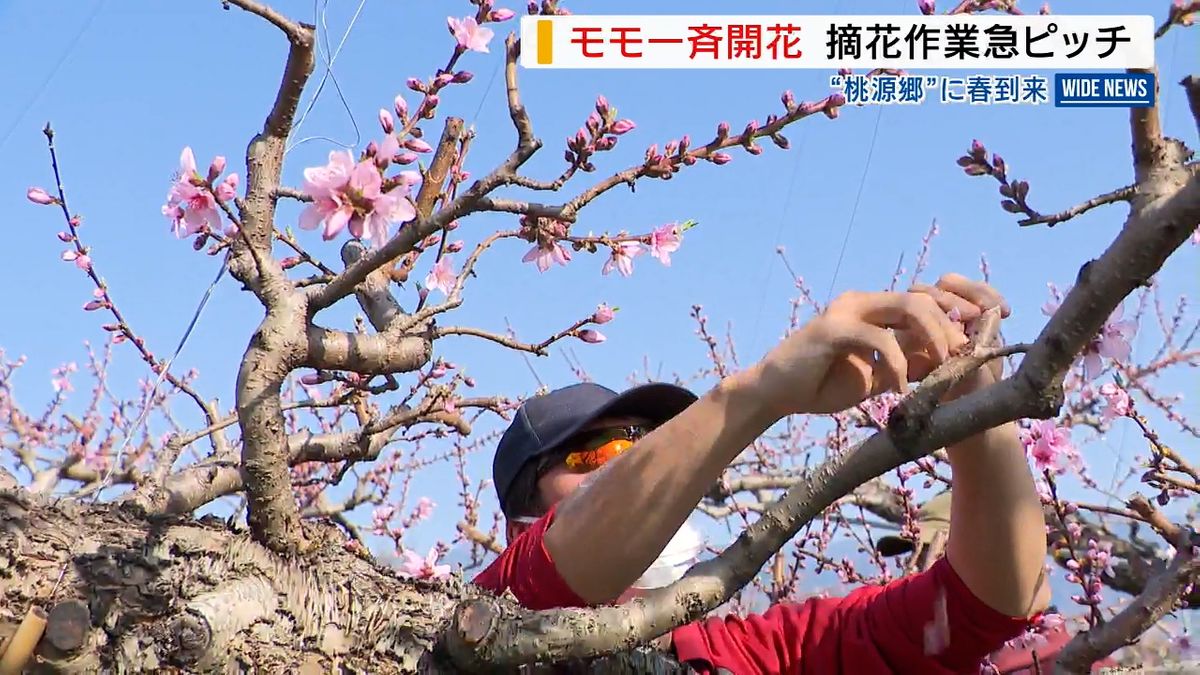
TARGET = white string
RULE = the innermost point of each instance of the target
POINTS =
(162, 375)
(329, 75)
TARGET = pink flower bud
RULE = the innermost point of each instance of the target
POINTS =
(216, 168)
(621, 126)
(788, 99)
(469, 381)
(603, 314)
(416, 85)
(289, 262)
(442, 80)
(998, 162)
(927, 7)
(1045, 8)
(65, 236)
(401, 107)
(721, 158)
(593, 121)
(452, 225)
(385, 121)
(83, 262)
(372, 149)
(501, 14)
(532, 7)
(404, 158)
(93, 305)
(463, 77)
(591, 336)
(111, 327)
(978, 150)
(454, 246)
(602, 105)
(69, 255)
(39, 196)
(417, 145)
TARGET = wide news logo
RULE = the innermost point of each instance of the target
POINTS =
(875, 56)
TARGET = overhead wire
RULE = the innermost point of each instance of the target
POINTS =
(328, 75)
(53, 71)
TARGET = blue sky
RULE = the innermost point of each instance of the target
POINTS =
(128, 84)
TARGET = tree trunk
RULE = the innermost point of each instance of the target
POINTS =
(181, 595)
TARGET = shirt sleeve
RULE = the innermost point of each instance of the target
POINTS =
(875, 629)
(526, 569)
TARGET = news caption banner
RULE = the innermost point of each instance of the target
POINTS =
(1102, 47)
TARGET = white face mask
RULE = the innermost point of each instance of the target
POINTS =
(676, 559)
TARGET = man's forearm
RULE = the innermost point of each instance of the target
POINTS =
(605, 535)
(997, 541)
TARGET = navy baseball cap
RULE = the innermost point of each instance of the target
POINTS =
(544, 423)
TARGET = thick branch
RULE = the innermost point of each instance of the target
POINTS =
(1144, 611)
(374, 294)
(443, 158)
(369, 354)
(252, 262)
(275, 349)
(1147, 133)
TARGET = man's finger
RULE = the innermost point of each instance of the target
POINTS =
(983, 295)
(882, 341)
(967, 311)
(909, 311)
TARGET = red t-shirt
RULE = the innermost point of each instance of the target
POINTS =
(875, 629)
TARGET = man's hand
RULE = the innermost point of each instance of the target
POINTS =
(958, 295)
(853, 351)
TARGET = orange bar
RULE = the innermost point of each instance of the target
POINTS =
(545, 41)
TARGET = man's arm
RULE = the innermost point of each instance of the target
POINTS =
(994, 492)
(607, 533)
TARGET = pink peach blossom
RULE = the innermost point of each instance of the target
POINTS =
(622, 258)
(442, 276)
(1049, 446)
(544, 256)
(1116, 399)
(663, 242)
(470, 35)
(350, 196)
(1112, 342)
(190, 205)
(416, 567)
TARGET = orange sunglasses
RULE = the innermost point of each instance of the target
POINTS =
(599, 447)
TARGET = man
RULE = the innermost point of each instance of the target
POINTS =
(608, 479)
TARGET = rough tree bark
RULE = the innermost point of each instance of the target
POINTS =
(172, 594)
